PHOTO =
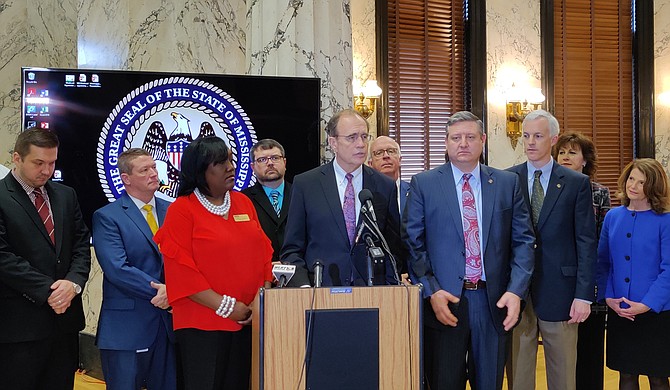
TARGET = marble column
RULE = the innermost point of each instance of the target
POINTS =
(662, 80)
(310, 38)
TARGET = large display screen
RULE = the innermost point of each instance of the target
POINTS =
(97, 114)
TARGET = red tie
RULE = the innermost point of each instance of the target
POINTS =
(473, 258)
(45, 215)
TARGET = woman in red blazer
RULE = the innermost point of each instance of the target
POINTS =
(216, 258)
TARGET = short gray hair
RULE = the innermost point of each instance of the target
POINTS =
(554, 127)
(465, 116)
(331, 126)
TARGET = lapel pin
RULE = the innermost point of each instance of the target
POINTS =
(490, 181)
(558, 185)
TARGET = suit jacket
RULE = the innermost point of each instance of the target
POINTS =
(316, 229)
(30, 263)
(130, 260)
(404, 193)
(565, 254)
(434, 236)
(273, 225)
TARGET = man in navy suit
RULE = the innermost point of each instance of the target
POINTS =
(45, 259)
(135, 335)
(470, 242)
(385, 157)
(325, 210)
(271, 195)
(565, 256)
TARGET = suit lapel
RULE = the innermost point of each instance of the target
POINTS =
(554, 189)
(522, 171)
(135, 215)
(285, 203)
(57, 207)
(488, 200)
(259, 196)
(332, 196)
(23, 200)
(449, 189)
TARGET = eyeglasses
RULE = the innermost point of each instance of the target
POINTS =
(351, 138)
(392, 152)
(264, 160)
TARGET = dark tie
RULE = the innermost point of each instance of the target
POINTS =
(537, 199)
(275, 201)
(349, 208)
(45, 215)
(473, 258)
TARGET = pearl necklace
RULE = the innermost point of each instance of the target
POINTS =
(212, 208)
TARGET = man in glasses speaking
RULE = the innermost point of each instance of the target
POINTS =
(325, 212)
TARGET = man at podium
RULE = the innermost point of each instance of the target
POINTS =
(470, 242)
(325, 212)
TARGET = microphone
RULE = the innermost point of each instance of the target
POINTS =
(318, 274)
(365, 196)
(283, 273)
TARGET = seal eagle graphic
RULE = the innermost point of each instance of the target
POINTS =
(191, 109)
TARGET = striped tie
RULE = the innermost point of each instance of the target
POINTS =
(275, 201)
(45, 214)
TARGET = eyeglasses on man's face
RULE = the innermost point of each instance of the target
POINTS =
(392, 152)
(351, 138)
(264, 160)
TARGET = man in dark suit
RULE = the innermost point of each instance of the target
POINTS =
(325, 210)
(565, 256)
(135, 334)
(271, 195)
(385, 157)
(44, 264)
(470, 244)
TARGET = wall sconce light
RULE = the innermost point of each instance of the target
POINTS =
(365, 97)
(520, 102)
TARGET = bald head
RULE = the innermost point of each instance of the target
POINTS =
(385, 156)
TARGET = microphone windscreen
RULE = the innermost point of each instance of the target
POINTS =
(364, 195)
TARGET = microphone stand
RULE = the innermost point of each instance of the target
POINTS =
(374, 229)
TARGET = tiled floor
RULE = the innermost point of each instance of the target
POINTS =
(83, 382)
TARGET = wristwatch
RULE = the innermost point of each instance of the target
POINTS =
(77, 288)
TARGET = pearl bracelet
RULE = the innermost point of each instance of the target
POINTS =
(226, 307)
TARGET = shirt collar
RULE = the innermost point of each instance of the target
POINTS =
(546, 169)
(458, 174)
(279, 189)
(141, 204)
(340, 173)
(26, 187)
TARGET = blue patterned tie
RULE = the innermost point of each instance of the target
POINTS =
(349, 208)
(275, 201)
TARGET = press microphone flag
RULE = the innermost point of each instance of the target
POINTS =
(283, 273)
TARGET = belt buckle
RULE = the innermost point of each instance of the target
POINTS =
(470, 286)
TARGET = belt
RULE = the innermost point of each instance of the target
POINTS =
(468, 285)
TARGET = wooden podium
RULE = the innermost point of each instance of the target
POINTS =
(378, 327)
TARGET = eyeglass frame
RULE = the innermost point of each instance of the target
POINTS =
(380, 153)
(352, 138)
(275, 158)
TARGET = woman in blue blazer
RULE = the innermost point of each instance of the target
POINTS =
(634, 276)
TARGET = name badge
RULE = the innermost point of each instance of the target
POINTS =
(241, 218)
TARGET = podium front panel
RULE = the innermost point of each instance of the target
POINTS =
(280, 329)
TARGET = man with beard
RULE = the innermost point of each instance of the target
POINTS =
(271, 194)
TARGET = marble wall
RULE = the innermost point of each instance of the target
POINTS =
(662, 80)
(513, 56)
(280, 37)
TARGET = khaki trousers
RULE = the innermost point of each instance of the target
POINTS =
(559, 340)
